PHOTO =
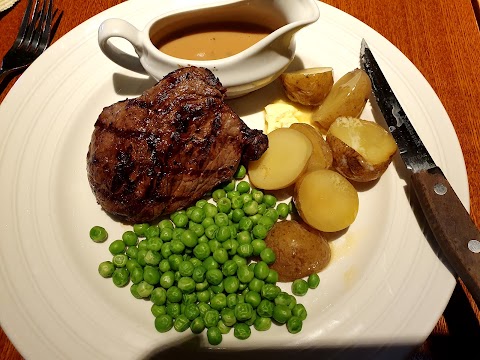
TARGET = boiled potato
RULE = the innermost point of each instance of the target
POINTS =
(362, 150)
(321, 153)
(283, 162)
(308, 86)
(326, 200)
(347, 98)
(299, 249)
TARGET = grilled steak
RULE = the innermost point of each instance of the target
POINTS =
(162, 151)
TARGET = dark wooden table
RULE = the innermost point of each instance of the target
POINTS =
(442, 38)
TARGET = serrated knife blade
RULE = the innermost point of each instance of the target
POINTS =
(452, 226)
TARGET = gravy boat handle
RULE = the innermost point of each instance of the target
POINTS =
(120, 28)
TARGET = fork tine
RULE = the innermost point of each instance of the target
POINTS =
(32, 24)
(46, 24)
(24, 23)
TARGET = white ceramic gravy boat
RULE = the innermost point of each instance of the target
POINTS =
(241, 73)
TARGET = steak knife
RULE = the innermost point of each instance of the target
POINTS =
(451, 225)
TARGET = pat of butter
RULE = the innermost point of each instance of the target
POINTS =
(282, 114)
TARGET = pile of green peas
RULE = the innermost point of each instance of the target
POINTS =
(196, 266)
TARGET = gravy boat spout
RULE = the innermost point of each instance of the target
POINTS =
(240, 71)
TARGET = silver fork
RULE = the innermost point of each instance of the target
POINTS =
(32, 38)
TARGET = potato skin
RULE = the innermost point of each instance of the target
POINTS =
(352, 165)
(300, 250)
(349, 162)
(309, 86)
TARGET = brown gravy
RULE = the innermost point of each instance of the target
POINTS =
(211, 41)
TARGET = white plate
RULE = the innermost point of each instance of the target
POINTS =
(385, 285)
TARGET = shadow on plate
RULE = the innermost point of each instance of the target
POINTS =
(131, 86)
(192, 347)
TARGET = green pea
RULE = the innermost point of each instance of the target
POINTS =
(151, 275)
(197, 229)
(132, 252)
(243, 187)
(211, 231)
(98, 234)
(269, 200)
(152, 231)
(224, 329)
(203, 296)
(256, 284)
(211, 318)
(271, 214)
(261, 208)
(201, 251)
(246, 197)
(189, 238)
(253, 298)
(186, 285)
(158, 296)
(294, 325)
(245, 250)
(164, 265)
(245, 224)
(265, 308)
(241, 331)
(313, 281)
(299, 311)
(221, 219)
(251, 321)
(237, 215)
(283, 299)
(203, 308)
(268, 255)
(197, 215)
(195, 262)
(244, 237)
(231, 284)
(139, 229)
(250, 207)
(214, 276)
(166, 234)
(121, 277)
(257, 195)
(270, 291)
(260, 231)
(144, 289)
(175, 260)
(299, 287)
(166, 250)
(189, 299)
(283, 210)
(261, 270)
(136, 275)
(272, 277)
(143, 245)
(243, 311)
(177, 233)
(231, 301)
(219, 194)
(181, 323)
(229, 268)
(233, 194)
(201, 203)
(210, 210)
(163, 323)
(231, 246)
(220, 255)
(255, 218)
(117, 247)
(240, 172)
(180, 220)
(223, 233)
(197, 325)
(214, 335)
(230, 186)
(174, 294)
(131, 264)
(224, 205)
(165, 224)
(237, 204)
(244, 274)
(210, 263)
(228, 316)
(106, 269)
(152, 258)
(130, 238)
(218, 301)
(154, 243)
(239, 260)
(198, 273)
(281, 314)
(167, 279)
(262, 323)
(120, 260)
(158, 310)
(208, 221)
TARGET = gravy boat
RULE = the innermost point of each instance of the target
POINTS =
(241, 73)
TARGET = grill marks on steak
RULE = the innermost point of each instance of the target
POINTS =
(159, 152)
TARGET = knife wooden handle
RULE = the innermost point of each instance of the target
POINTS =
(452, 226)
